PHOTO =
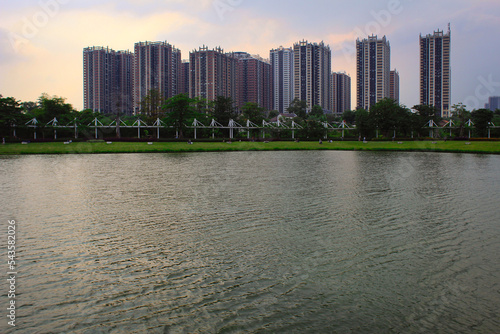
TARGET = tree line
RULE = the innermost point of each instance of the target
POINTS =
(389, 119)
(385, 119)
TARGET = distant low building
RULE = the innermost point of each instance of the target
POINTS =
(493, 103)
(283, 117)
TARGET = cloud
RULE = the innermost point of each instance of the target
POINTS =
(51, 59)
(48, 57)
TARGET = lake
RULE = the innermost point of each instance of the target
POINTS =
(254, 242)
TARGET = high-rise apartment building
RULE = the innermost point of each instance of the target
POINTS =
(157, 66)
(312, 74)
(435, 71)
(254, 80)
(341, 93)
(373, 63)
(107, 80)
(394, 86)
(184, 78)
(493, 103)
(282, 78)
(212, 73)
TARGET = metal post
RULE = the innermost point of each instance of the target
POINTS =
(95, 123)
(76, 130)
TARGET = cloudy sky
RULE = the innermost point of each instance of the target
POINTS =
(41, 41)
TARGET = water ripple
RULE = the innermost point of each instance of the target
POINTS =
(278, 242)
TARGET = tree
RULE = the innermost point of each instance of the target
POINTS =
(180, 110)
(29, 106)
(224, 110)
(349, 116)
(481, 119)
(425, 113)
(388, 116)
(53, 107)
(253, 112)
(364, 123)
(461, 116)
(272, 114)
(10, 115)
(298, 108)
(317, 112)
(202, 105)
(152, 104)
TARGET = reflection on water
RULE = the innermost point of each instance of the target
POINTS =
(255, 242)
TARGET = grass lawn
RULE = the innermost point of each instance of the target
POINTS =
(172, 147)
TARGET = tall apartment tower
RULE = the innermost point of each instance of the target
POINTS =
(373, 63)
(493, 103)
(107, 80)
(157, 65)
(254, 80)
(341, 93)
(282, 75)
(435, 71)
(312, 73)
(212, 73)
(184, 78)
(394, 86)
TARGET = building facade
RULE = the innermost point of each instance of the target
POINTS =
(107, 80)
(254, 80)
(435, 71)
(493, 103)
(341, 93)
(282, 78)
(157, 66)
(184, 78)
(312, 74)
(373, 63)
(394, 86)
(212, 73)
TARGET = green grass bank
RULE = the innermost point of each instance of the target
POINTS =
(177, 147)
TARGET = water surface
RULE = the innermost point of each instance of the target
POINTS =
(259, 242)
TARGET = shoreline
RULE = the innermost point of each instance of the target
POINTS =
(476, 147)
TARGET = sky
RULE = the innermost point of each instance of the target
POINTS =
(42, 41)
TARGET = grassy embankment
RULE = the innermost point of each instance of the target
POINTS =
(172, 147)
